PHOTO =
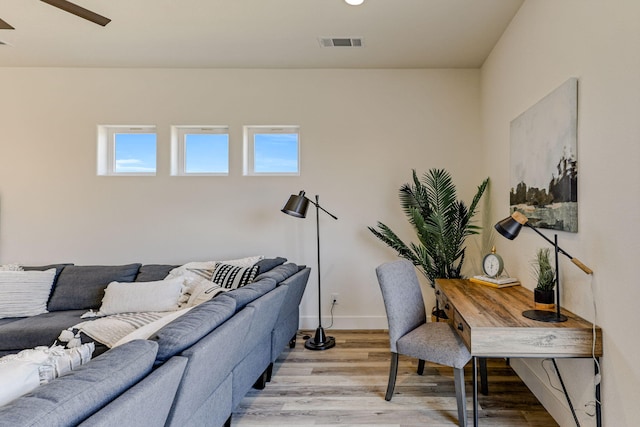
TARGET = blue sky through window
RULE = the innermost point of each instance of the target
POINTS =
(275, 153)
(135, 152)
(206, 153)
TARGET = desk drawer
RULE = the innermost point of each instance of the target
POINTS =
(445, 305)
(462, 328)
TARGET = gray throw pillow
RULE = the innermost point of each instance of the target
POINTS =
(154, 272)
(81, 287)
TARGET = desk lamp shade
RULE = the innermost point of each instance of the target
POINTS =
(297, 205)
(510, 226)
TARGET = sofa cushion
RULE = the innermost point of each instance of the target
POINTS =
(82, 286)
(25, 293)
(58, 267)
(43, 329)
(70, 399)
(280, 272)
(192, 326)
(154, 272)
(251, 292)
(267, 264)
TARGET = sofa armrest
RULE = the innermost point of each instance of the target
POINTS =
(146, 403)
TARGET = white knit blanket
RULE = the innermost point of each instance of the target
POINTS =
(117, 329)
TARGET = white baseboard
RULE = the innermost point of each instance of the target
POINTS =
(345, 322)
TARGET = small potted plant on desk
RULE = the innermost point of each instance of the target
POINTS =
(545, 275)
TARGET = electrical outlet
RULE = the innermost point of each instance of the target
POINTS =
(334, 298)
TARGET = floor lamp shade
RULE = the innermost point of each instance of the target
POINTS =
(297, 206)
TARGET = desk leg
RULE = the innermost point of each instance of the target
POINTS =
(596, 362)
(484, 382)
(475, 391)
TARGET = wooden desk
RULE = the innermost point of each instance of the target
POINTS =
(491, 324)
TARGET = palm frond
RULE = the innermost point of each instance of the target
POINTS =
(441, 223)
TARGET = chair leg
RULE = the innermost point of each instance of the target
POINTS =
(458, 375)
(393, 371)
(420, 366)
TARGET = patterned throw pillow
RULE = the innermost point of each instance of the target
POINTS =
(232, 277)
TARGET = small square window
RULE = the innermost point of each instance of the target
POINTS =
(199, 150)
(206, 153)
(126, 150)
(272, 150)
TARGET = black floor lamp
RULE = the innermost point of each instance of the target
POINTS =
(297, 206)
(510, 228)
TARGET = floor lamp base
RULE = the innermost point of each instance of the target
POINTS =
(544, 316)
(320, 341)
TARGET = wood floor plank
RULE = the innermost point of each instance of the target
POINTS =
(345, 386)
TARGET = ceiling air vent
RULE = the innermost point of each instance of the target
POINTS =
(341, 42)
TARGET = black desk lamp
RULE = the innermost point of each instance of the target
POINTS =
(297, 206)
(510, 228)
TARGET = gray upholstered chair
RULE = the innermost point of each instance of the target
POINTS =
(411, 335)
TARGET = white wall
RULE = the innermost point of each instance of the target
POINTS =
(599, 43)
(362, 131)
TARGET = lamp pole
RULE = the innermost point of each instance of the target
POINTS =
(320, 341)
(297, 206)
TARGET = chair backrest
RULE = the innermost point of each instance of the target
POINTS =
(402, 298)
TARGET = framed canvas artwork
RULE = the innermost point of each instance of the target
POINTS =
(544, 165)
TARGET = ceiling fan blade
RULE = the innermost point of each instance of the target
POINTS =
(5, 26)
(67, 6)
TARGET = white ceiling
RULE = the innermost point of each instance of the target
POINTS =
(255, 33)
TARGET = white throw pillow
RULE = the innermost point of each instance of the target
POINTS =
(18, 377)
(136, 297)
(23, 372)
(203, 291)
(25, 293)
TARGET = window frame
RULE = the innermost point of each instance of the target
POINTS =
(179, 147)
(106, 153)
(249, 148)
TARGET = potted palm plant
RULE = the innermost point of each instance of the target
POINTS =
(545, 276)
(442, 223)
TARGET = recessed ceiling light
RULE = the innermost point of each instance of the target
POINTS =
(354, 2)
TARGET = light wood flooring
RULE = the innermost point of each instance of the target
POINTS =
(346, 385)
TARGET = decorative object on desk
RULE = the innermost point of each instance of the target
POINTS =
(442, 223)
(492, 264)
(510, 228)
(545, 275)
(544, 171)
(500, 282)
(297, 206)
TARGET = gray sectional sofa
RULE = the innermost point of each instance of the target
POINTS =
(192, 372)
